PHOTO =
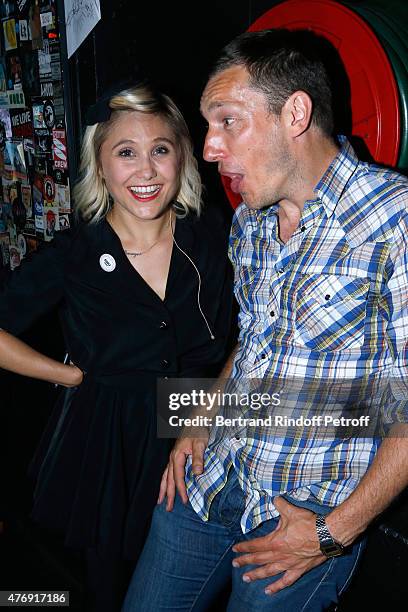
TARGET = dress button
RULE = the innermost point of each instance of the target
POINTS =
(163, 325)
(165, 364)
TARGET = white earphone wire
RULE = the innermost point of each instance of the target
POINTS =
(199, 281)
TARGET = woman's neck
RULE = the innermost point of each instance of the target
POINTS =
(138, 233)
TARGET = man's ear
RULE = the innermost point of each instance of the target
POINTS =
(297, 112)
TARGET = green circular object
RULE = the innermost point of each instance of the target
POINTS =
(398, 55)
(395, 9)
(397, 20)
(401, 76)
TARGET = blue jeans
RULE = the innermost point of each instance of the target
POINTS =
(187, 562)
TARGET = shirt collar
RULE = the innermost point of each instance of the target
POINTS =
(334, 181)
(265, 213)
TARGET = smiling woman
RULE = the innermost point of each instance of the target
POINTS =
(129, 107)
(143, 165)
(144, 291)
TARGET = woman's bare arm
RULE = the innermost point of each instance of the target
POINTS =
(18, 357)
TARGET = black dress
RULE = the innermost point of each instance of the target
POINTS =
(99, 464)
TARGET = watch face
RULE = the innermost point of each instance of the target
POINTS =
(332, 549)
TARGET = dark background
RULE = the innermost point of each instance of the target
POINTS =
(174, 43)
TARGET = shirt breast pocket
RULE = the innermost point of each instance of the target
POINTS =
(330, 312)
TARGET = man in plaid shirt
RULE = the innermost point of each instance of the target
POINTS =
(319, 248)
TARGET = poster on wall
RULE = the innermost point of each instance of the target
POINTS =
(9, 32)
(5, 120)
(35, 26)
(14, 72)
(15, 99)
(3, 84)
(5, 248)
(44, 61)
(15, 257)
(51, 222)
(38, 116)
(38, 207)
(22, 123)
(64, 221)
(81, 16)
(59, 149)
(63, 198)
(14, 161)
(26, 199)
(7, 8)
(22, 6)
(49, 191)
(23, 30)
(22, 245)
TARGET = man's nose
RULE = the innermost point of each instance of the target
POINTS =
(213, 148)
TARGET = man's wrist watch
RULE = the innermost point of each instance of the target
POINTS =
(328, 546)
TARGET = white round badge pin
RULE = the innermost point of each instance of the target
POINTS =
(107, 262)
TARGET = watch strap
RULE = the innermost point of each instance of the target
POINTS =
(328, 545)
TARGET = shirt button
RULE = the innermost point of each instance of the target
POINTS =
(237, 437)
(327, 297)
(281, 270)
(272, 313)
(263, 355)
(302, 229)
(163, 325)
(165, 364)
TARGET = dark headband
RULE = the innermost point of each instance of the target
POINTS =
(101, 111)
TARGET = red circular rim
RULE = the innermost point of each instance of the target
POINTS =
(373, 88)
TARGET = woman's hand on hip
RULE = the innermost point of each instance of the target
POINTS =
(173, 476)
(73, 376)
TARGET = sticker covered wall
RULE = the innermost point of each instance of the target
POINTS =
(34, 169)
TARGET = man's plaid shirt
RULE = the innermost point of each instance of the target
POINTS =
(329, 304)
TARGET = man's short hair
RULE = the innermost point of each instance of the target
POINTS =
(280, 62)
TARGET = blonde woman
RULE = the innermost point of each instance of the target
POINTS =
(143, 288)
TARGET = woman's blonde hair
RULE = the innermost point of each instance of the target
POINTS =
(91, 198)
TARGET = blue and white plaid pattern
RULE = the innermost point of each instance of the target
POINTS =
(329, 304)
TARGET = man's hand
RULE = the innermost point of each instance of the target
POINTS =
(292, 548)
(173, 476)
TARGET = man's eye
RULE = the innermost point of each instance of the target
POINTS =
(227, 121)
(126, 153)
